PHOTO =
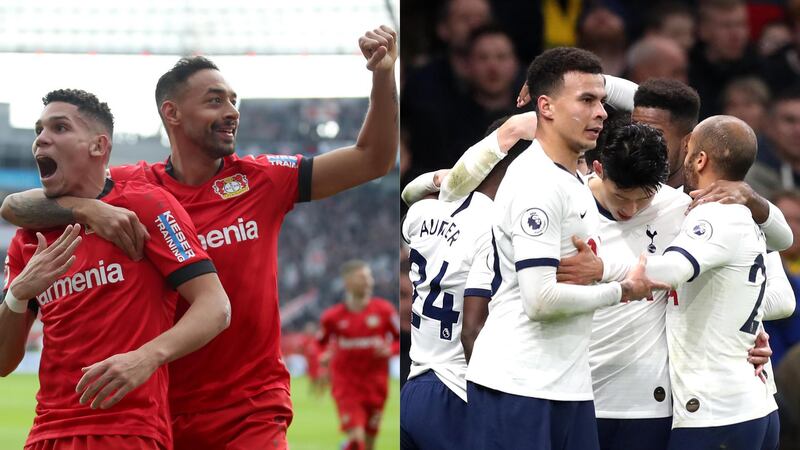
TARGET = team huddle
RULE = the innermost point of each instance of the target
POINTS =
(157, 283)
(555, 309)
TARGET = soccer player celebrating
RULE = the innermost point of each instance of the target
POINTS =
(450, 244)
(107, 335)
(529, 381)
(235, 392)
(363, 332)
(718, 262)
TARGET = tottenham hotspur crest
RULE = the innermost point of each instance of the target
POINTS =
(651, 234)
(534, 222)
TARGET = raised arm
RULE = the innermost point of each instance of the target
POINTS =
(375, 151)
(32, 210)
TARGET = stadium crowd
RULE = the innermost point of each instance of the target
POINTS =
(466, 65)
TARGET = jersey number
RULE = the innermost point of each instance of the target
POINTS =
(445, 315)
(751, 325)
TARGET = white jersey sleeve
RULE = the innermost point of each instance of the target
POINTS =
(779, 299)
(778, 233)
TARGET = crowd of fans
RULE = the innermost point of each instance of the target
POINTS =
(465, 64)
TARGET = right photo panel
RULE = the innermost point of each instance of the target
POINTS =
(600, 213)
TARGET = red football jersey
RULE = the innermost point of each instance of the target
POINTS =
(238, 214)
(108, 304)
(355, 337)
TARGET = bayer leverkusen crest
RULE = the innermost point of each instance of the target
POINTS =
(232, 186)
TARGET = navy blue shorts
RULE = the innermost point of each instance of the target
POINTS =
(634, 434)
(497, 420)
(431, 415)
(757, 434)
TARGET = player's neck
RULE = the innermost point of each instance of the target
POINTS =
(557, 149)
(599, 194)
(676, 179)
(91, 186)
(191, 166)
(356, 303)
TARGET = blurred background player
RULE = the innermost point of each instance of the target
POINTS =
(449, 305)
(198, 109)
(360, 334)
(87, 299)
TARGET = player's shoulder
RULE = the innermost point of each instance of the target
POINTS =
(668, 195)
(383, 304)
(721, 212)
(135, 190)
(264, 161)
(332, 312)
(141, 170)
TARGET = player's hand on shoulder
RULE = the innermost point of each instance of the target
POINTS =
(47, 264)
(105, 383)
(117, 225)
(379, 47)
(636, 285)
(723, 191)
(582, 268)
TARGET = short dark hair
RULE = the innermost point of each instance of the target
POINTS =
(489, 29)
(730, 144)
(616, 118)
(787, 94)
(680, 100)
(87, 104)
(174, 78)
(546, 72)
(635, 156)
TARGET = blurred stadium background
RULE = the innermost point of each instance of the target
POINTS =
(304, 89)
(464, 64)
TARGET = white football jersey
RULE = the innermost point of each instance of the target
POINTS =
(628, 348)
(450, 242)
(539, 207)
(716, 319)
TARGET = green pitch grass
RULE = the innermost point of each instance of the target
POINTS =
(315, 425)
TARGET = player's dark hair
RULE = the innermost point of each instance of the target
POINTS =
(635, 156)
(654, 19)
(499, 170)
(170, 83)
(730, 144)
(616, 118)
(675, 97)
(351, 265)
(88, 105)
(546, 72)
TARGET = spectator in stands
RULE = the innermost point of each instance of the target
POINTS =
(656, 57)
(779, 169)
(788, 398)
(672, 20)
(722, 53)
(774, 36)
(747, 98)
(432, 93)
(602, 31)
(782, 68)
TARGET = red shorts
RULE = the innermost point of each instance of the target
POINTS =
(259, 422)
(97, 442)
(357, 412)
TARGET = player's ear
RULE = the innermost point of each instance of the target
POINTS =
(169, 112)
(544, 106)
(701, 161)
(597, 167)
(100, 145)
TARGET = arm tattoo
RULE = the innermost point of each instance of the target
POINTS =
(39, 213)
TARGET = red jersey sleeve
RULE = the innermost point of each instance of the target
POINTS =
(13, 266)
(325, 330)
(291, 174)
(393, 325)
(173, 246)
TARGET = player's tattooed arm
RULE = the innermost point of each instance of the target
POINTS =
(33, 211)
(375, 151)
(768, 216)
(476, 310)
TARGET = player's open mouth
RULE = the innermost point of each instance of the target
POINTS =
(47, 166)
(227, 133)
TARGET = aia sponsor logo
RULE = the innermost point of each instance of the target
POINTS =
(232, 186)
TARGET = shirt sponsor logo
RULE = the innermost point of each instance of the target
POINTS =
(232, 186)
(283, 160)
(534, 222)
(237, 232)
(174, 237)
(81, 281)
(360, 343)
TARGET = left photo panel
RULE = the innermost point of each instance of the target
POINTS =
(200, 225)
